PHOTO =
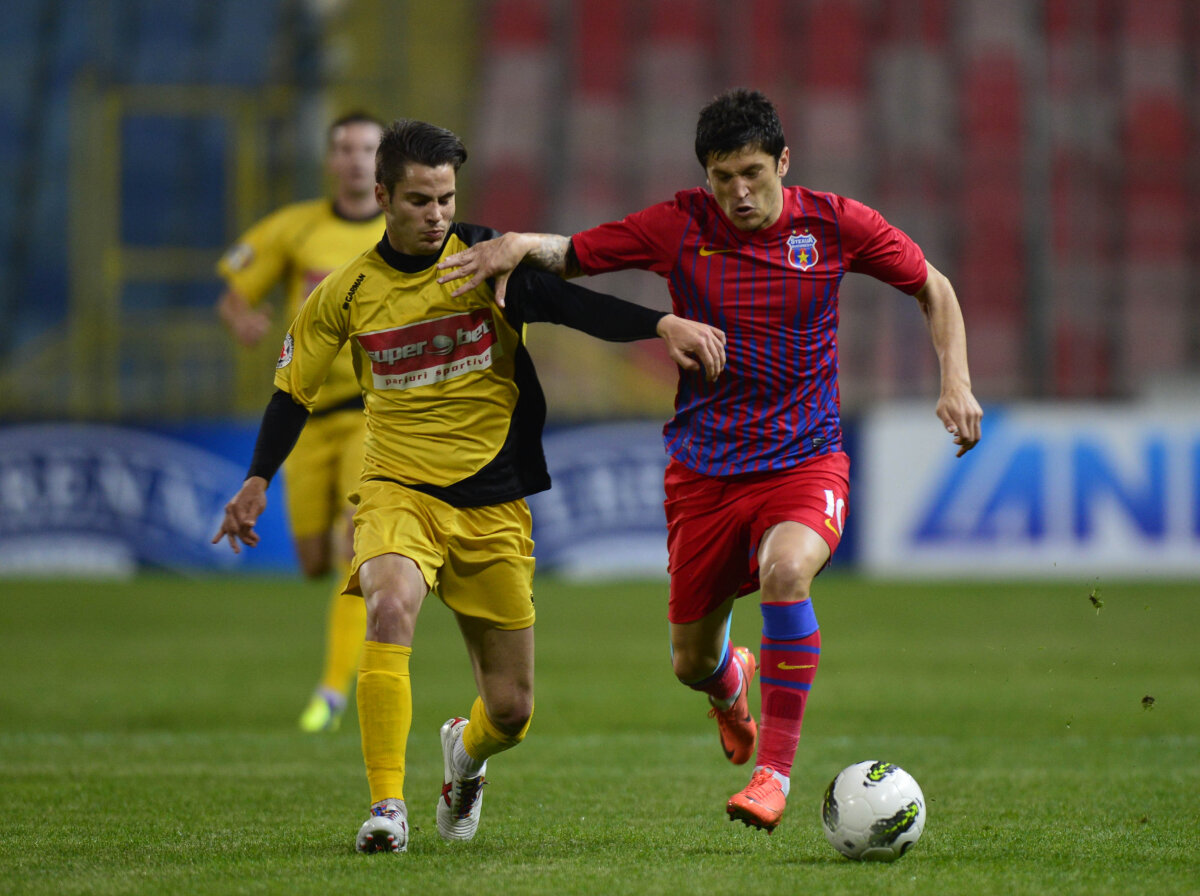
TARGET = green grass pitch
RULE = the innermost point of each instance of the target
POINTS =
(147, 745)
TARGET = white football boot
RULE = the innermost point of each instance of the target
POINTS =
(386, 830)
(462, 798)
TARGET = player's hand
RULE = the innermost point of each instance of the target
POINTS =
(249, 328)
(693, 345)
(962, 416)
(491, 258)
(242, 512)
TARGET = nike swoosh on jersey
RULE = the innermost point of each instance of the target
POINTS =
(705, 251)
(785, 667)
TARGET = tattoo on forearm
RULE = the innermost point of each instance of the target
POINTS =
(553, 254)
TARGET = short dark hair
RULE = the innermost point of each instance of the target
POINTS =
(738, 119)
(408, 141)
(355, 116)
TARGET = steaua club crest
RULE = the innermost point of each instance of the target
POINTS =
(285, 354)
(802, 250)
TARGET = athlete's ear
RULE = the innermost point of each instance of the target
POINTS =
(784, 159)
(381, 196)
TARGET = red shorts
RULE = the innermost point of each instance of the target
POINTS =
(715, 524)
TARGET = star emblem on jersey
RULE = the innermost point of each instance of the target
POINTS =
(706, 251)
(802, 250)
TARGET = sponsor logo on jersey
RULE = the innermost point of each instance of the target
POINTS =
(285, 354)
(358, 281)
(431, 351)
(802, 250)
(706, 251)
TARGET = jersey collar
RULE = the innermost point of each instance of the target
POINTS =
(410, 264)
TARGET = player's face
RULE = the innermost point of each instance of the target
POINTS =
(748, 185)
(351, 157)
(420, 210)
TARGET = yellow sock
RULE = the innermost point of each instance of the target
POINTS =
(384, 716)
(344, 628)
(482, 739)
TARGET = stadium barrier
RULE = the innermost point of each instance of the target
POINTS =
(1052, 491)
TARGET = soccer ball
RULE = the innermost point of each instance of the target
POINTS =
(873, 811)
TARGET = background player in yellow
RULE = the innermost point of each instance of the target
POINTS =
(298, 245)
(455, 416)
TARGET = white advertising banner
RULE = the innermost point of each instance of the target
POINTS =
(1052, 490)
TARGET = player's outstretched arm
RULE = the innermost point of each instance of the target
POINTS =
(497, 258)
(242, 512)
(957, 407)
(693, 345)
(281, 425)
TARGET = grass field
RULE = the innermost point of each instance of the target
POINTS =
(147, 745)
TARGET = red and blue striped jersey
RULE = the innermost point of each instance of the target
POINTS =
(775, 294)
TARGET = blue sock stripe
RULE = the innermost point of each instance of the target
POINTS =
(726, 651)
(789, 622)
(790, 648)
(779, 682)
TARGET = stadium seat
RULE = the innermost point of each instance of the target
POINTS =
(515, 111)
(1157, 145)
(597, 114)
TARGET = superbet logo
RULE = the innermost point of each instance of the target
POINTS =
(432, 350)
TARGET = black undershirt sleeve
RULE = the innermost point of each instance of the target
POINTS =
(281, 425)
(544, 297)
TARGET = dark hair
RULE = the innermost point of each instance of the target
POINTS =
(408, 141)
(738, 119)
(356, 116)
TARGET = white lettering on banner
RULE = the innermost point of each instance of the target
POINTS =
(1049, 491)
(436, 374)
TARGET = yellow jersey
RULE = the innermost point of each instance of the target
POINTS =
(299, 245)
(453, 404)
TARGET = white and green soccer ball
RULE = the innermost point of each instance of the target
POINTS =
(873, 811)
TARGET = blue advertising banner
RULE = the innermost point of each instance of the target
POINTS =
(105, 500)
(603, 517)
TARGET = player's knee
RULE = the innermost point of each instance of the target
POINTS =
(787, 578)
(512, 717)
(312, 552)
(692, 666)
(315, 568)
(390, 617)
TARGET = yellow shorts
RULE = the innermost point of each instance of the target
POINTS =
(323, 469)
(478, 560)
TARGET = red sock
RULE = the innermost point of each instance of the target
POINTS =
(788, 669)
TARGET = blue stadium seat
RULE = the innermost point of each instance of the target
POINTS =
(242, 40)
